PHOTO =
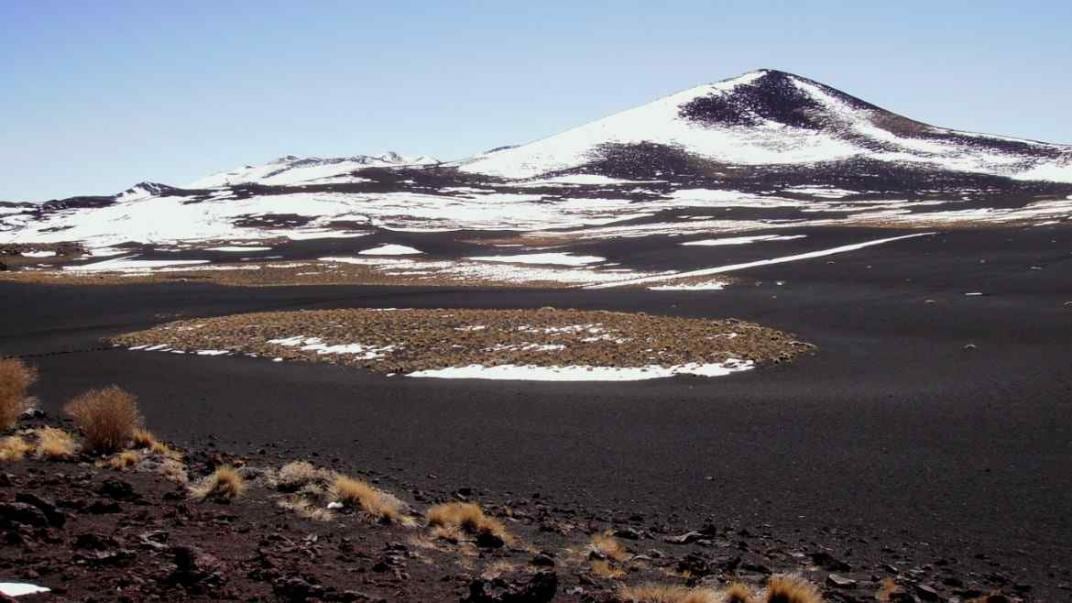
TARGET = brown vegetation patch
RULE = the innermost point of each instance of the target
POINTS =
(402, 341)
(466, 517)
(15, 378)
(107, 418)
(222, 485)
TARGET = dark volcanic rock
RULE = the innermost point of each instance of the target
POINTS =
(539, 587)
(19, 513)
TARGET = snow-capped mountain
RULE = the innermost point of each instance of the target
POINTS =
(786, 150)
(291, 170)
(770, 117)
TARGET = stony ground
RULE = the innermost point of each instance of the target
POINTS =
(93, 532)
(401, 341)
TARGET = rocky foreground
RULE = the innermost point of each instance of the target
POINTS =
(156, 523)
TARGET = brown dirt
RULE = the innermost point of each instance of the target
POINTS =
(409, 340)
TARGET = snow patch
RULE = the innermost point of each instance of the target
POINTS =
(514, 372)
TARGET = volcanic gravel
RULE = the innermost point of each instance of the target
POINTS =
(402, 341)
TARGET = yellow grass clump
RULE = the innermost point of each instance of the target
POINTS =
(142, 438)
(224, 484)
(13, 448)
(792, 589)
(608, 546)
(123, 460)
(15, 378)
(468, 517)
(737, 592)
(55, 444)
(359, 494)
(604, 569)
(107, 418)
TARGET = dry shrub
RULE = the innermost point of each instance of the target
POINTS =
(297, 475)
(107, 418)
(55, 444)
(13, 448)
(791, 589)
(165, 451)
(608, 546)
(224, 484)
(664, 593)
(603, 569)
(123, 460)
(359, 494)
(468, 517)
(15, 378)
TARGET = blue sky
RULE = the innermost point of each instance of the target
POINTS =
(99, 94)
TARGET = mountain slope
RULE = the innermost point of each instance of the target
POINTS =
(291, 170)
(770, 117)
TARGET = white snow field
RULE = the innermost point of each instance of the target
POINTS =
(583, 373)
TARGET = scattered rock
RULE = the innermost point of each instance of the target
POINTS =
(538, 587)
(19, 513)
(686, 538)
(838, 581)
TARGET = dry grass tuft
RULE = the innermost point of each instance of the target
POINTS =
(359, 494)
(13, 448)
(165, 451)
(15, 378)
(223, 485)
(738, 592)
(55, 444)
(604, 569)
(107, 418)
(887, 590)
(467, 517)
(142, 438)
(792, 589)
(663, 593)
(123, 460)
(608, 546)
(297, 475)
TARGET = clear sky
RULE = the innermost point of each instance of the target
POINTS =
(96, 95)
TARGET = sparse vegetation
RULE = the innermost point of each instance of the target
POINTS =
(467, 517)
(223, 485)
(297, 475)
(604, 569)
(123, 460)
(107, 418)
(13, 448)
(55, 444)
(15, 379)
(359, 494)
(738, 592)
(791, 589)
(142, 438)
(606, 545)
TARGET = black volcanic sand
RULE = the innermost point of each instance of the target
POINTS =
(931, 427)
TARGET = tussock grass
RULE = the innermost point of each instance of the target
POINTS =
(603, 569)
(55, 444)
(791, 589)
(298, 475)
(107, 418)
(466, 517)
(15, 378)
(13, 448)
(608, 546)
(123, 460)
(666, 593)
(223, 485)
(359, 494)
(738, 592)
(142, 438)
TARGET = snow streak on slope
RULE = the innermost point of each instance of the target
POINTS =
(772, 117)
(291, 170)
